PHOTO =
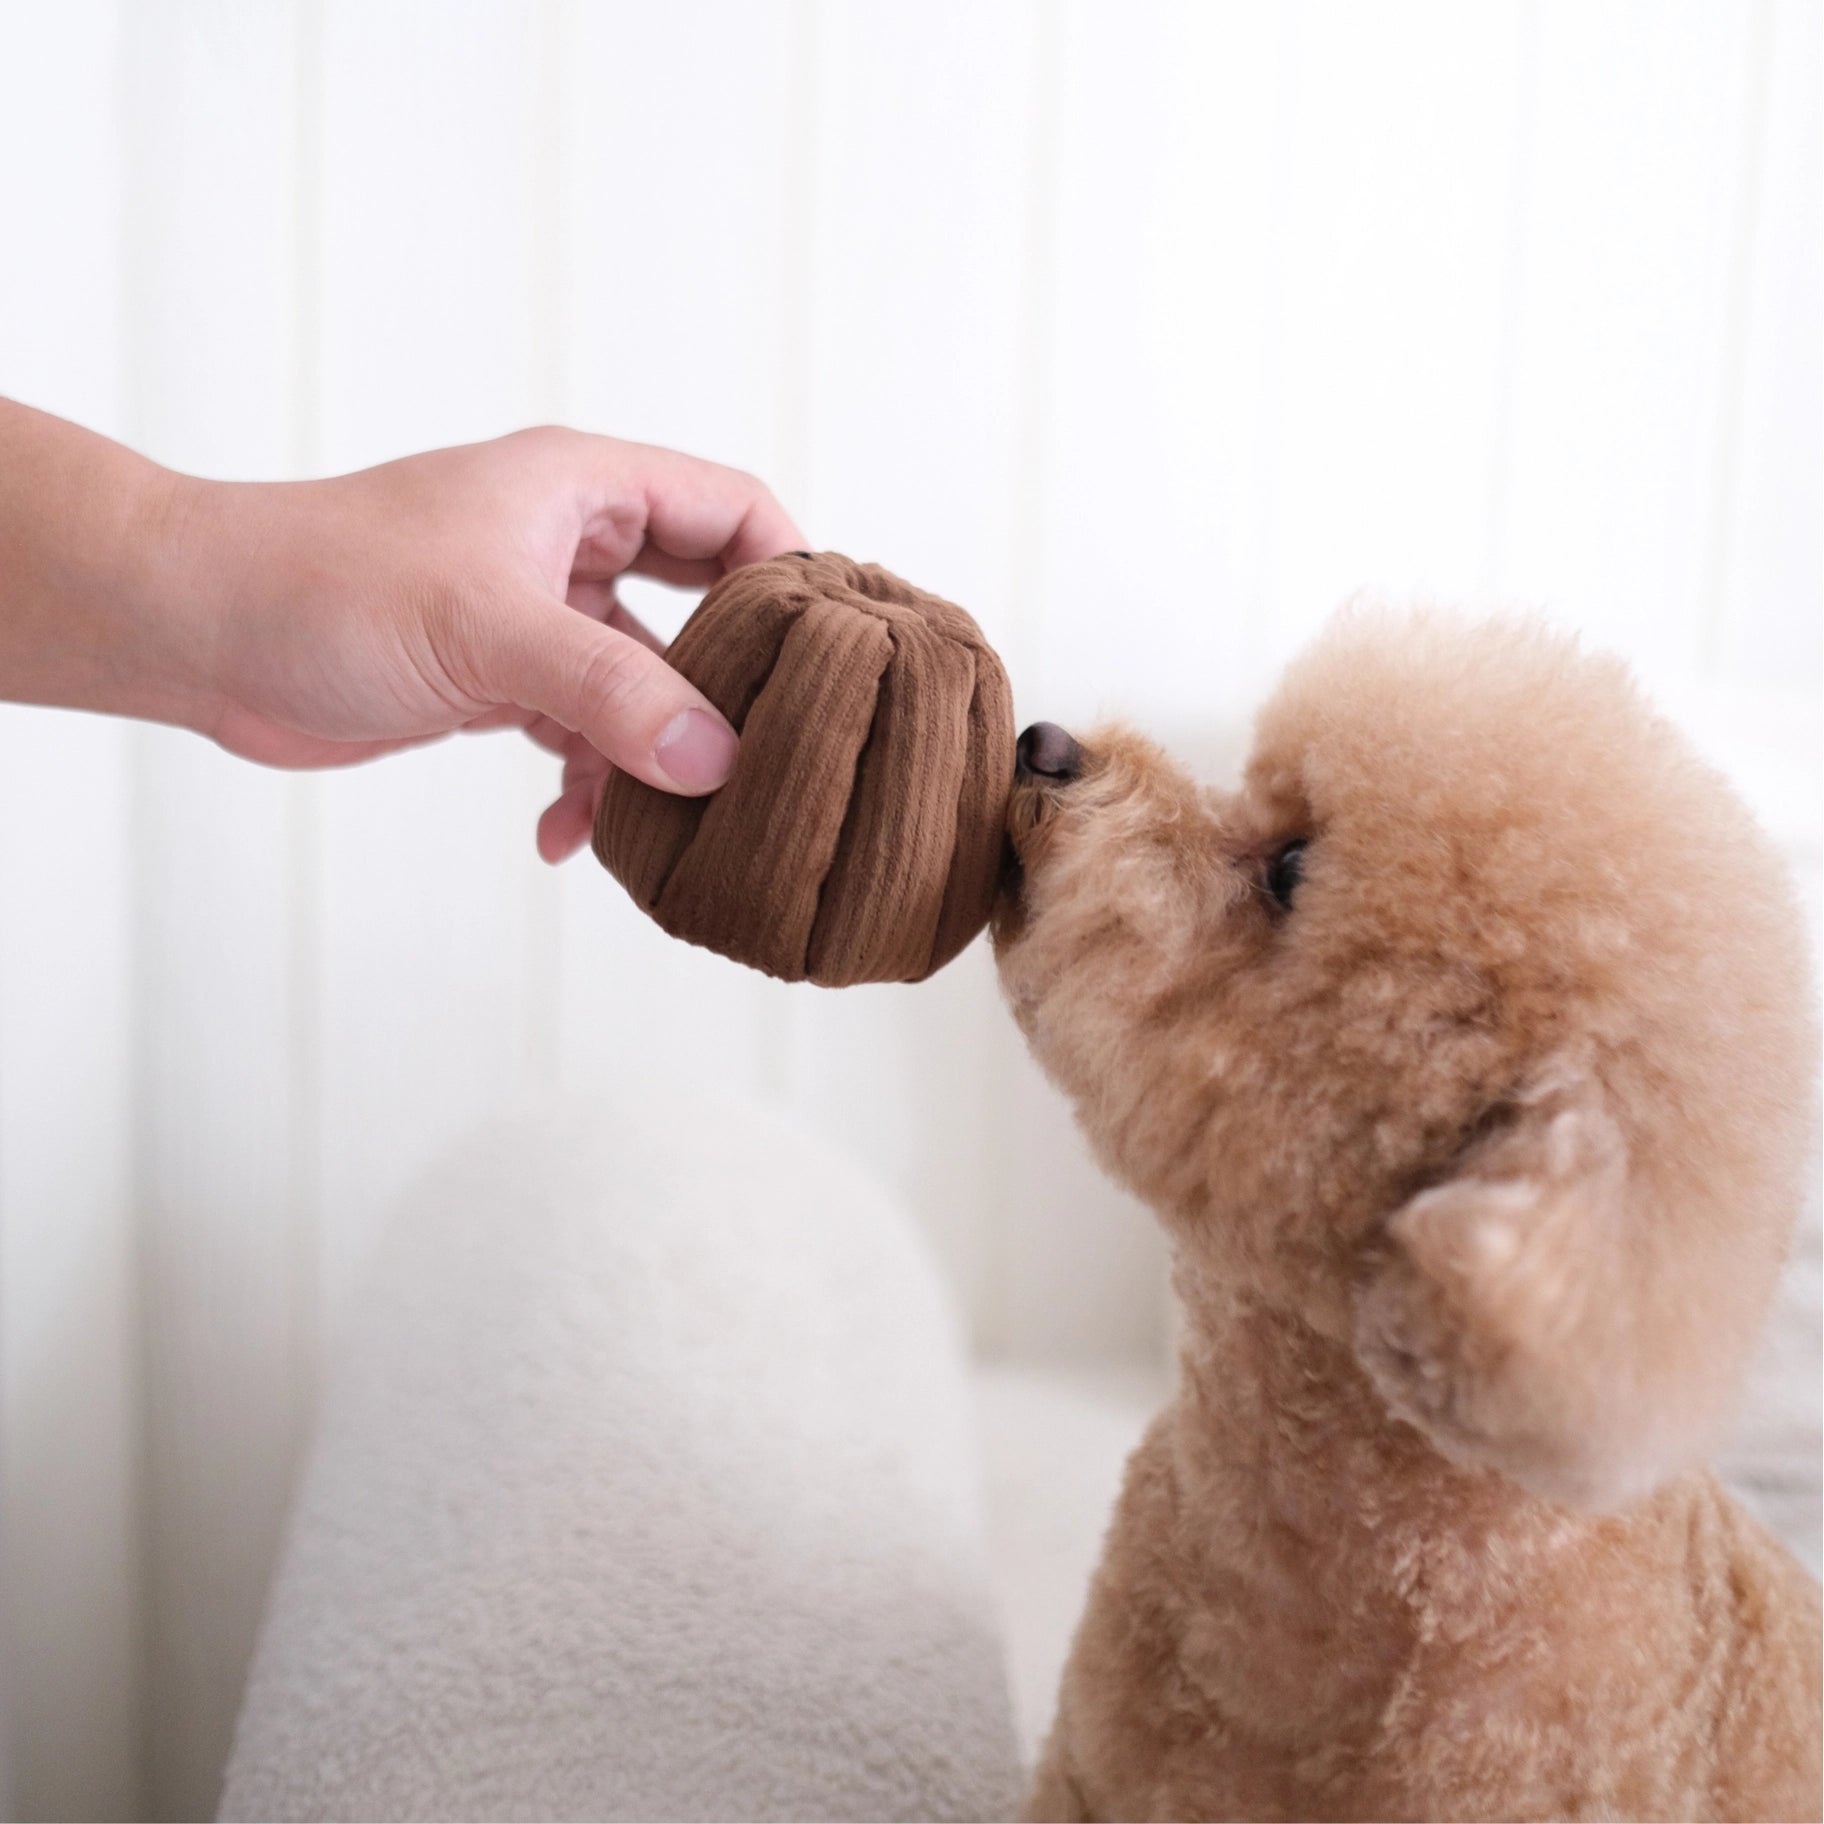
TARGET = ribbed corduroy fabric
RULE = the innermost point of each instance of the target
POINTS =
(859, 836)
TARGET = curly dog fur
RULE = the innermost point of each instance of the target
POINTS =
(1478, 1143)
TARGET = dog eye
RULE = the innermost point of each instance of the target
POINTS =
(1285, 871)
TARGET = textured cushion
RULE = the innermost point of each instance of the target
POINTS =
(644, 1489)
(859, 837)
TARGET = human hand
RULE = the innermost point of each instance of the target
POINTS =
(469, 588)
(322, 622)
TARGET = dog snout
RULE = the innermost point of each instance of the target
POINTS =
(1045, 751)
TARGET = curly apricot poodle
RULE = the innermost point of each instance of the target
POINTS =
(1466, 1054)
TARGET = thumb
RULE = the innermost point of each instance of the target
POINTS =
(619, 695)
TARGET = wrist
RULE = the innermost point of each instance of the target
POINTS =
(185, 588)
(94, 609)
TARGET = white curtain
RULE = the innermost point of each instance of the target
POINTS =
(1146, 331)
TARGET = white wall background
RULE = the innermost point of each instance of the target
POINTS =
(1147, 331)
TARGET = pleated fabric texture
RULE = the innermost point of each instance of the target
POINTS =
(859, 836)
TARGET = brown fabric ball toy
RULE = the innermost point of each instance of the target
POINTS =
(859, 837)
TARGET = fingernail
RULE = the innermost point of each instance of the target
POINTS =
(695, 750)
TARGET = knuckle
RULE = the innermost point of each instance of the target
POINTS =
(450, 625)
(543, 440)
(616, 685)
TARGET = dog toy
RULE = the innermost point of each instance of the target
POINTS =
(859, 836)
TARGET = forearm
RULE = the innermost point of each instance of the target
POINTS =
(98, 610)
(320, 623)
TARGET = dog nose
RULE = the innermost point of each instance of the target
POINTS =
(1045, 751)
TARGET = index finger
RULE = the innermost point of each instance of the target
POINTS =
(700, 519)
(691, 572)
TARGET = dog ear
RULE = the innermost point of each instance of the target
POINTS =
(1508, 1311)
